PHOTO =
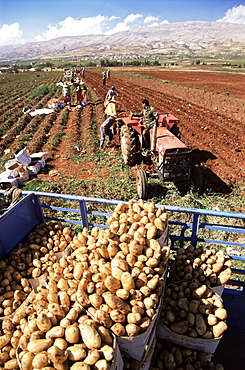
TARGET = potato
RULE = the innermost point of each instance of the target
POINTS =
(72, 333)
(116, 303)
(55, 332)
(123, 294)
(4, 340)
(221, 313)
(117, 316)
(108, 352)
(90, 336)
(80, 366)
(118, 329)
(112, 283)
(76, 353)
(105, 335)
(127, 281)
(26, 361)
(11, 364)
(218, 329)
(212, 319)
(92, 357)
(40, 360)
(200, 324)
(96, 300)
(180, 327)
(194, 306)
(57, 355)
(132, 330)
(61, 343)
(200, 291)
(43, 322)
(4, 357)
(39, 345)
(103, 318)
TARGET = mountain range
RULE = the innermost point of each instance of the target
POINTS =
(190, 37)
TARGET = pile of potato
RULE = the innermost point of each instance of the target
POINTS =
(194, 310)
(49, 333)
(208, 267)
(14, 289)
(144, 217)
(32, 258)
(118, 278)
(169, 356)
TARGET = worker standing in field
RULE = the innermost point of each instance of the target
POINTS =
(84, 91)
(105, 129)
(67, 92)
(104, 79)
(111, 93)
(149, 119)
(110, 107)
(78, 91)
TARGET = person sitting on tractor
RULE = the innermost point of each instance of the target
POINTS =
(149, 119)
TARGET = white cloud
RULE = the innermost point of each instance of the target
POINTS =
(126, 24)
(75, 27)
(11, 34)
(234, 15)
(150, 19)
(132, 18)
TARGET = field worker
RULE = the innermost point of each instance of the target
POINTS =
(78, 91)
(111, 93)
(104, 79)
(67, 93)
(105, 129)
(108, 73)
(149, 119)
(110, 108)
(84, 90)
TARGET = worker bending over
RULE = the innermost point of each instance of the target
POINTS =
(105, 129)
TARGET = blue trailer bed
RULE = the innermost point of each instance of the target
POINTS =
(186, 225)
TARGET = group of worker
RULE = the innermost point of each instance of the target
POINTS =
(148, 115)
(148, 118)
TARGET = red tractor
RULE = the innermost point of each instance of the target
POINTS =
(170, 157)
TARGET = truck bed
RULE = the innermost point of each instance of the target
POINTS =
(92, 211)
(231, 349)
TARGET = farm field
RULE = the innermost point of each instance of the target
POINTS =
(210, 107)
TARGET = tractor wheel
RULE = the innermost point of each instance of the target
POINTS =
(142, 184)
(197, 178)
(128, 145)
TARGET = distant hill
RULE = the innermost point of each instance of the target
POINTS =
(183, 37)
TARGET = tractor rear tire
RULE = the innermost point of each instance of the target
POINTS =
(128, 145)
(142, 184)
(197, 178)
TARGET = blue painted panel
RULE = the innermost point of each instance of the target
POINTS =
(18, 222)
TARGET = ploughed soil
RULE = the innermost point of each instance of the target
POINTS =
(210, 107)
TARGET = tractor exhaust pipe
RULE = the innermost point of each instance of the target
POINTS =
(154, 138)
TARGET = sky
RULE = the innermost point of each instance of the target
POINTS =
(24, 21)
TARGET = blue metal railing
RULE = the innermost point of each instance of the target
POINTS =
(187, 231)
